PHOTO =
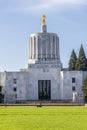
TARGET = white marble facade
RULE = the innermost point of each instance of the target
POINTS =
(44, 78)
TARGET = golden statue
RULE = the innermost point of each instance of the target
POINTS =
(43, 20)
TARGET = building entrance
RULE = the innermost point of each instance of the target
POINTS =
(44, 89)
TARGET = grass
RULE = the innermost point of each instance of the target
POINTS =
(43, 118)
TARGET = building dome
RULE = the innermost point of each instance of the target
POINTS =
(44, 46)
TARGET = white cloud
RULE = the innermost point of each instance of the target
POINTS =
(50, 5)
(68, 1)
(33, 6)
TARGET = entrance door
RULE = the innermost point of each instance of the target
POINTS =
(44, 89)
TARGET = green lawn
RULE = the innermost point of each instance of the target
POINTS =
(43, 118)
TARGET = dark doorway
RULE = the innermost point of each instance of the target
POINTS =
(44, 89)
(1, 96)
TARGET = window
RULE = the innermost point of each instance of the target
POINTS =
(14, 81)
(73, 80)
(15, 89)
(73, 88)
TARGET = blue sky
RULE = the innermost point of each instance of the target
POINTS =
(20, 18)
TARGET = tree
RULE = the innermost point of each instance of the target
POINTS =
(81, 63)
(72, 61)
(85, 89)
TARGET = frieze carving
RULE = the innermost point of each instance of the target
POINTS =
(45, 70)
(44, 66)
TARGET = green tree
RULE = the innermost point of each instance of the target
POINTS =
(81, 63)
(72, 61)
(85, 89)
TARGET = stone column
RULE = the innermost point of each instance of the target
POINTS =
(37, 47)
(33, 48)
(51, 46)
(41, 48)
(57, 47)
(47, 46)
(49, 53)
(30, 48)
(54, 47)
(46, 51)
(44, 46)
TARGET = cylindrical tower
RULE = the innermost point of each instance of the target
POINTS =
(44, 46)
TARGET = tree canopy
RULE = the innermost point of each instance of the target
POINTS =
(85, 88)
(81, 63)
(72, 61)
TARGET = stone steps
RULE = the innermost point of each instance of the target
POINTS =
(39, 103)
(50, 103)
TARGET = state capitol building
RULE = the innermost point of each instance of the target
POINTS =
(44, 77)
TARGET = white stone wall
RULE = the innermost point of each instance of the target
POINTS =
(44, 73)
(66, 84)
(20, 85)
(3, 81)
(27, 83)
